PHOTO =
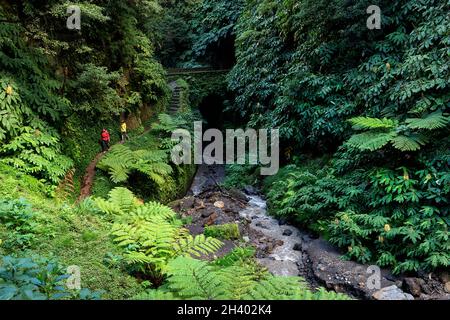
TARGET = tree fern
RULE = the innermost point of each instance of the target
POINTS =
(277, 288)
(150, 234)
(197, 246)
(382, 132)
(431, 122)
(360, 123)
(121, 201)
(195, 279)
(409, 143)
(371, 140)
(121, 161)
(38, 153)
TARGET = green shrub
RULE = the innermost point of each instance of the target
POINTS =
(239, 176)
(36, 279)
(405, 224)
(311, 194)
(150, 234)
(393, 217)
(18, 219)
(229, 231)
(37, 153)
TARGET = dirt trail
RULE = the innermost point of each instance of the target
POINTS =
(88, 178)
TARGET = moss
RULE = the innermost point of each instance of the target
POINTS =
(229, 231)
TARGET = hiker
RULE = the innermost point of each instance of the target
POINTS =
(105, 140)
(123, 131)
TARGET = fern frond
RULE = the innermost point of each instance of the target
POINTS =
(431, 122)
(408, 143)
(361, 123)
(198, 245)
(195, 279)
(278, 288)
(123, 198)
(371, 140)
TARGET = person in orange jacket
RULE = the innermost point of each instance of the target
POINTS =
(105, 140)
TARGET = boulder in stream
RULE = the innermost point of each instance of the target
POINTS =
(392, 293)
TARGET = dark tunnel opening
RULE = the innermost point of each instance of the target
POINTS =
(211, 108)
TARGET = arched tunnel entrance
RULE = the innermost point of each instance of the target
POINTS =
(212, 110)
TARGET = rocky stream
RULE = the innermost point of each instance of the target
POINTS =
(288, 251)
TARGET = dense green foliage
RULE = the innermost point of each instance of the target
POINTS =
(150, 234)
(375, 102)
(143, 163)
(50, 73)
(37, 279)
(397, 218)
(16, 216)
(200, 280)
(364, 119)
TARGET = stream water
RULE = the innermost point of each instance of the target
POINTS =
(283, 260)
(287, 251)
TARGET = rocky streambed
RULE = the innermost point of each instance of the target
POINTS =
(288, 251)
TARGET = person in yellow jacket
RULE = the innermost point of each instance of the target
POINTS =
(123, 130)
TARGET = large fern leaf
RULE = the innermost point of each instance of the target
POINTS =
(198, 245)
(408, 143)
(431, 122)
(371, 140)
(195, 279)
(360, 123)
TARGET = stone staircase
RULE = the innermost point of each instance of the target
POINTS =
(175, 102)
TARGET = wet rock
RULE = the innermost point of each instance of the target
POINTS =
(447, 287)
(321, 267)
(199, 204)
(413, 286)
(279, 243)
(250, 190)
(247, 220)
(287, 233)
(237, 194)
(219, 221)
(392, 293)
(207, 213)
(269, 248)
(219, 204)
(262, 225)
(280, 268)
(212, 219)
(444, 277)
(282, 222)
(297, 247)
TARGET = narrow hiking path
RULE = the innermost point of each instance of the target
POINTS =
(88, 178)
